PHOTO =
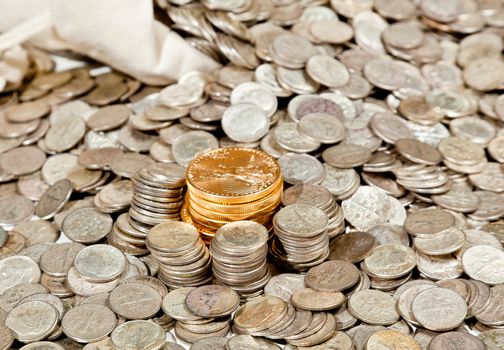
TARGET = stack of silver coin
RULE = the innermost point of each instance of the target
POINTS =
(96, 269)
(301, 236)
(184, 260)
(157, 193)
(281, 320)
(201, 312)
(239, 250)
(320, 197)
(128, 235)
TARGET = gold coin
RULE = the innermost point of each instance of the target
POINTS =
(233, 175)
(232, 217)
(236, 208)
(218, 223)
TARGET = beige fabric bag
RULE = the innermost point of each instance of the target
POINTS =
(120, 33)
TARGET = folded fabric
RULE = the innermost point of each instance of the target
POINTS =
(120, 33)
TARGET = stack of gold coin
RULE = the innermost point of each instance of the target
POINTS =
(184, 260)
(320, 197)
(231, 184)
(157, 193)
(301, 239)
(239, 251)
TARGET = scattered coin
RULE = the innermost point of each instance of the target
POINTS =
(138, 335)
(22, 160)
(135, 301)
(88, 323)
(430, 302)
(311, 300)
(32, 321)
(54, 199)
(332, 276)
(86, 225)
(99, 263)
(373, 307)
(16, 270)
(391, 339)
(207, 301)
(402, 94)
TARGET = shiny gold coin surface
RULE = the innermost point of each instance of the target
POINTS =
(232, 175)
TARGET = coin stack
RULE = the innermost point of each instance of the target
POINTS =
(239, 251)
(128, 238)
(201, 312)
(96, 269)
(157, 193)
(320, 197)
(183, 258)
(271, 317)
(231, 184)
(301, 239)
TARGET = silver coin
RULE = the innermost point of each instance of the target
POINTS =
(245, 122)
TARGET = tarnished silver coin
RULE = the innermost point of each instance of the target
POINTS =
(16, 270)
(32, 321)
(428, 304)
(86, 225)
(100, 263)
(88, 323)
(138, 334)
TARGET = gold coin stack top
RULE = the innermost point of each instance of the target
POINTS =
(301, 239)
(184, 260)
(231, 184)
(157, 194)
(239, 250)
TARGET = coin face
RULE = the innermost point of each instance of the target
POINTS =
(126, 299)
(245, 161)
(352, 247)
(241, 234)
(32, 321)
(430, 302)
(467, 340)
(332, 276)
(138, 334)
(367, 207)
(423, 222)
(482, 263)
(389, 339)
(260, 313)
(245, 122)
(174, 305)
(175, 236)
(374, 307)
(22, 160)
(390, 261)
(100, 263)
(88, 323)
(14, 209)
(16, 270)
(292, 219)
(212, 343)
(86, 225)
(284, 285)
(212, 301)
(309, 299)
